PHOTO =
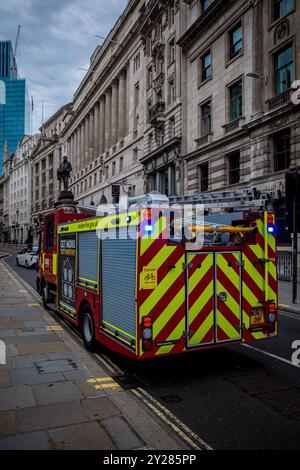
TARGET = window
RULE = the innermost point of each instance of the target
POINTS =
(44, 164)
(172, 127)
(113, 171)
(235, 41)
(203, 177)
(172, 14)
(282, 7)
(171, 51)
(160, 131)
(205, 4)
(121, 165)
(150, 137)
(205, 66)
(206, 118)
(234, 168)
(134, 156)
(149, 77)
(136, 95)
(236, 100)
(172, 96)
(284, 69)
(281, 145)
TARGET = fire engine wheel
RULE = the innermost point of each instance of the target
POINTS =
(87, 328)
(45, 295)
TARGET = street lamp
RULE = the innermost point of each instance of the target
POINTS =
(255, 75)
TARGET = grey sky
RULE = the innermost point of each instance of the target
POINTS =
(57, 37)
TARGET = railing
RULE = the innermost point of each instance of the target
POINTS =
(279, 100)
(158, 108)
(284, 265)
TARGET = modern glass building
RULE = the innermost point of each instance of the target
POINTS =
(14, 102)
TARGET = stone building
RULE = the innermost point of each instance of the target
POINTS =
(44, 162)
(242, 130)
(105, 128)
(5, 190)
(20, 191)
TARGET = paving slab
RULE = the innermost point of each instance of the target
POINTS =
(99, 408)
(42, 348)
(59, 365)
(87, 436)
(89, 389)
(8, 423)
(30, 376)
(121, 433)
(76, 374)
(57, 392)
(30, 441)
(51, 416)
(27, 361)
(31, 339)
(5, 380)
(16, 397)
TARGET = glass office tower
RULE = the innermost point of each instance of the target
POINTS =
(14, 102)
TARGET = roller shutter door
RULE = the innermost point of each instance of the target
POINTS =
(118, 276)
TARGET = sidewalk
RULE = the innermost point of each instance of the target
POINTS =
(54, 395)
(285, 297)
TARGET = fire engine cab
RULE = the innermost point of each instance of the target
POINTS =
(126, 281)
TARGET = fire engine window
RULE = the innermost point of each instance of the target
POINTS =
(49, 233)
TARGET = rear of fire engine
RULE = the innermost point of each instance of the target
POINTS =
(128, 284)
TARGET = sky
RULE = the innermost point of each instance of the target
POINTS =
(57, 37)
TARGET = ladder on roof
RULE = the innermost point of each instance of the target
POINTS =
(243, 199)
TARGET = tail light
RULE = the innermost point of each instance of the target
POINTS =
(147, 333)
(272, 316)
(270, 224)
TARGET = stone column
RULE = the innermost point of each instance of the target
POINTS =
(82, 144)
(96, 130)
(114, 113)
(91, 137)
(86, 141)
(258, 85)
(102, 125)
(122, 106)
(72, 153)
(108, 119)
(78, 149)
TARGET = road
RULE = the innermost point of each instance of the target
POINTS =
(234, 397)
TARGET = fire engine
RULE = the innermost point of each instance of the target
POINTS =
(127, 283)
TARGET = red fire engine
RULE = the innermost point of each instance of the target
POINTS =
(127, 283)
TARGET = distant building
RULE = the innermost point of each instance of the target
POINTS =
(20, 191)
(14, 102)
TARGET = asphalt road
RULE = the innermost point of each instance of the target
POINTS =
(234, 397)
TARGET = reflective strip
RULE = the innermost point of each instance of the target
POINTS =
(54, 264)
(201, 312)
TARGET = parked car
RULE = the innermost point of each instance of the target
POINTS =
(27, 257)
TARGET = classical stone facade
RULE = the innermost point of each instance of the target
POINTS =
(20, 191)
(241, 130)
(105, 126)
(44, 162)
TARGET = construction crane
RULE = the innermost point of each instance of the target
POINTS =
(17, 41)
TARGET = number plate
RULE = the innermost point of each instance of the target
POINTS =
(257, 317)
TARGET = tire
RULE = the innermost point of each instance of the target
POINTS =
(17, 261)
(45, 299)
(88, 328)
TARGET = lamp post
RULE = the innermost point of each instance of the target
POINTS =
(256, 76)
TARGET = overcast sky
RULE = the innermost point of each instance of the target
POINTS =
(57, 37)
